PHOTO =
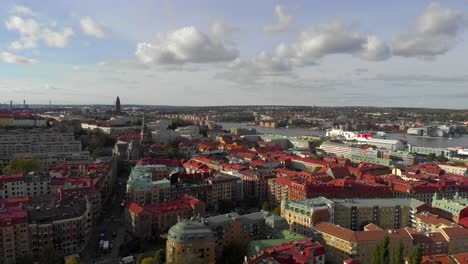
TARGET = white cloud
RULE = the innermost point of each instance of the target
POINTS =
(57, 39)
(284, 21)
(31, 32)
(23, 10)
(375, 49)
(436, 31)
(92, 28)
(186, 45)
(11, 58)
(28, 29)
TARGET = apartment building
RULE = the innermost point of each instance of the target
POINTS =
(255, 183)
(47, 145)
(31, 185)
(14, 234)
(225, 187)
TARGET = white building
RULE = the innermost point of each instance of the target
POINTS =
(47, 145)
(459, 170)
(189, 132)
(389, 144)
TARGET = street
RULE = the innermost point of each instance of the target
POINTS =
(110, 227)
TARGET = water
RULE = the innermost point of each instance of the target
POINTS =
(461, 141)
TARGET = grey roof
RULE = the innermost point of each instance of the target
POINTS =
(221, 220)
(190, 230)
(381, 202)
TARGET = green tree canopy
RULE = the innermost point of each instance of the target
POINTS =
(72, 260)
(23, 166)
(266, 206)
(398, 253)
(277, 210)
(160, 256)
(50, 255)
(416, 255)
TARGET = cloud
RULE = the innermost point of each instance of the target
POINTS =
(375, 49)
(28, 29)
(284, 21)
(92, 28)
(23, 10)
(436, 31)
(11, 58)
(57, 39)
(186, 45)
(31, 32)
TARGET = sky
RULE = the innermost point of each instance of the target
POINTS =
(207, 52)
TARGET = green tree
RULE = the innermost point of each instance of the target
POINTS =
(398, 253)
(23, 166)
(384, 253)
(139, 258)
(277, 210)
(233, 253)
(160, 256)
(192, 259)
(49, 255)
(376, 255)
(416, 255)
(148, 260)
(266, 206)
(72, 260)
(431, 157)
(441, 158)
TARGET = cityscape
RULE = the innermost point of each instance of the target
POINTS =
(289, 132)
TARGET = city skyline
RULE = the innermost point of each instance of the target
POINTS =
(209, 53)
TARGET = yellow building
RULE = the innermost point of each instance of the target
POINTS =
(14, 234)
(190, 239)
(341, 243)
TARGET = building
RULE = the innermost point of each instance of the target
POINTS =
(453, 209)
(459, 170)
(341, 243)
(31, 185)
(300, 252)
(47, 145)
(337, 149)
(303, 215)
(147, 184)
(117, 105)
(14, 233)
(188, 239)
(153, 219)
(352, 214)
(255, 183)
(225, 187)
(427, 222)
(66, 224)
(388, 144)
(388, 213)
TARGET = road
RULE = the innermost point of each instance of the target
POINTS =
(110, 226)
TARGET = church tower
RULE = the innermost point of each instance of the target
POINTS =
(145, 134)
(117, 105)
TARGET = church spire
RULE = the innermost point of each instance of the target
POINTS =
(145, 134)
(117, 105)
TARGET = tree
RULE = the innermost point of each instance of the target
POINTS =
(441, 158)
(416, 255)
(148, 260)
(431, 157)
(384, 253)
(160, 256)
(23, 166)
(72, 260)
(398, 253)
(376, 255)
(277, 210)
(139, 258)
(266, 206)
(233, 253)
(49, 255)
(189, 258)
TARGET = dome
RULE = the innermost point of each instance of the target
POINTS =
(190, 230)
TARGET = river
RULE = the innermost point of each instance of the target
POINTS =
(461, 141)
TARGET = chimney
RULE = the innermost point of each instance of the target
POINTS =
(24, 103)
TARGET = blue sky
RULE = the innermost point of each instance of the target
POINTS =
(403, 53)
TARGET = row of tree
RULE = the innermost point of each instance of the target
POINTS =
(381, 253)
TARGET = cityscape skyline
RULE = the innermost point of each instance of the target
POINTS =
(209, 53)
